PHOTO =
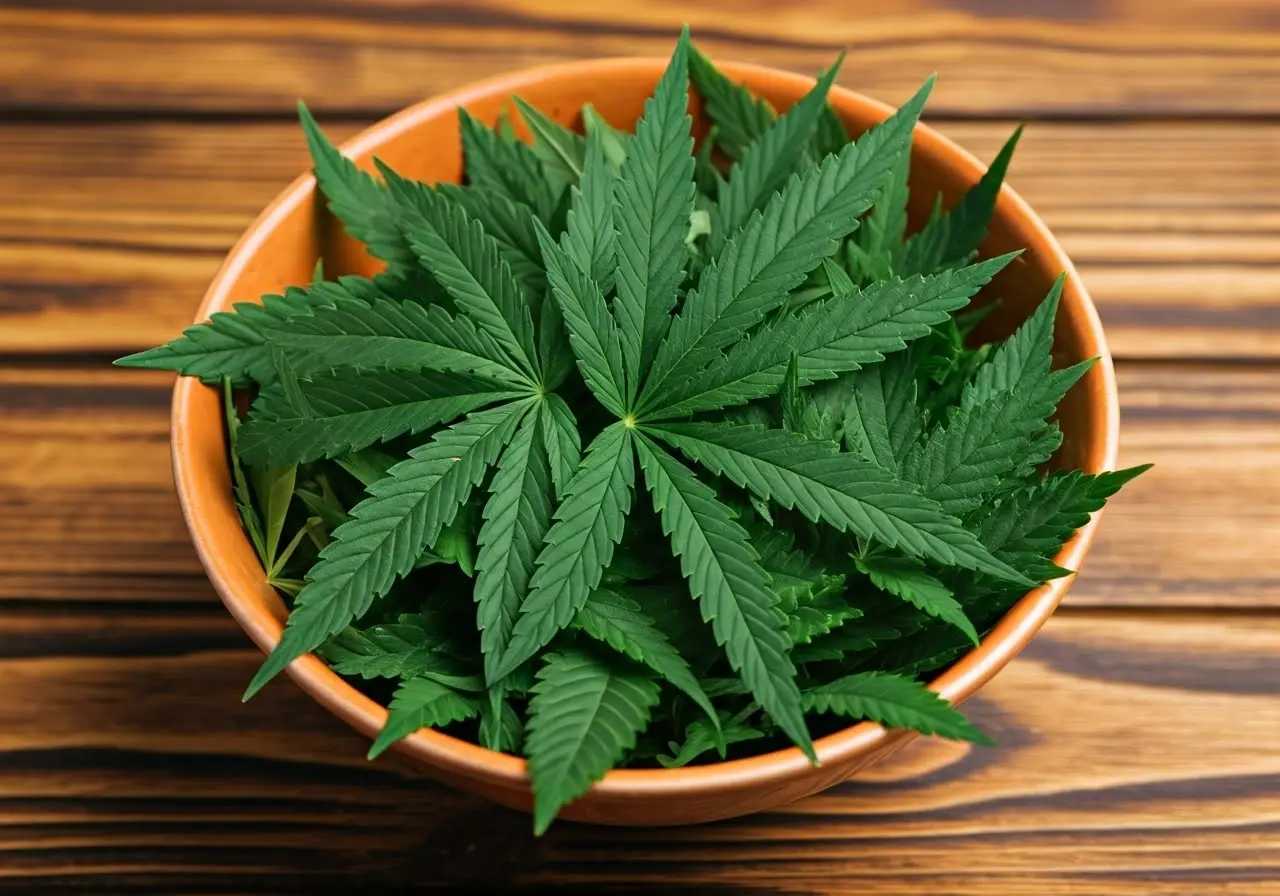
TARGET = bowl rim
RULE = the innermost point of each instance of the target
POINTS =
(455, 756)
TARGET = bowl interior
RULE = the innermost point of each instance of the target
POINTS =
(423, 142)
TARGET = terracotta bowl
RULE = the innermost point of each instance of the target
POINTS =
(422, 142)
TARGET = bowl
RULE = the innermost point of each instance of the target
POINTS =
(281, 248)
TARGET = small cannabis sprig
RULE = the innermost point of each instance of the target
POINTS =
(848, 492)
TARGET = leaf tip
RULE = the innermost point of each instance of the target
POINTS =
(137, 359)
(979, 737)
(254, 686)
(1007, 149)
(542, 819)
(274, 664)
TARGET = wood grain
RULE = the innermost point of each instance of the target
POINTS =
(109, 233)
(88, 448)
(1138, 730)
(140, 768)
(1093, 57)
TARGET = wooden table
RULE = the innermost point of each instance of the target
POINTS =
(1140, 732)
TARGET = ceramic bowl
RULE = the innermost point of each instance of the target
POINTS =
(281, 248)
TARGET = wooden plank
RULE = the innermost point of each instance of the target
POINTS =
(1201, 528)
(1043, 58)
(1137, 757)
(109, 233)
(86, 475)
(88, 448)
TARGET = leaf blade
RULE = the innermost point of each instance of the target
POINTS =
(505, 165)
(777, 248)
(838, 335)
(594, 336)
(910, 582)
(732, 590)
(355, 197)
(516, 519)
(387, 532)
(583, 716)
(840, 489)
(739, 116)
(421, 703)
(590, 238)
(467, 262)
(654, 199)
(578, 547)
(895, 702)
(616, 620)
(954, 237)
(769, 160)
(346, 411)
(563, 441)
(561, 151)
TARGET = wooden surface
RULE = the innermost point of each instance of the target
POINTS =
(1140, 732)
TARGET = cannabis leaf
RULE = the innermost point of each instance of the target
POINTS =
(1023, 358)
(583, 716)
(653, 202)
(840, 334)
(589, 237)
(397, 650)
(740, 117)
(334, 414)
(563, 442)
(516, 519)
(881, 418)
(840, 489)
(467, 262)
(614, 141)
(359, 201)
(501, 728)
(617, 621)
(990, 434)
(795, 576)
(506, 166)
(232, 343)
(777, 248)
(769, 160)
(953, 238)
(911, 582)
(421, 703)
(593, 334)
(883, 229)
(724, 574)
(388, 530)
(702, 736)
(561, 150)
(382, 332)
(894, 701)
(577, 549)
(1034, 522)
(509, 223)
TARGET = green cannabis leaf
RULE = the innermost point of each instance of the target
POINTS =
(776, 249)
(583, 716)
(841, 489)
(893, 701)
(652, 204)
(421, 703)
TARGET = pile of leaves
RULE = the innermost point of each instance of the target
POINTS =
(801, 490)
